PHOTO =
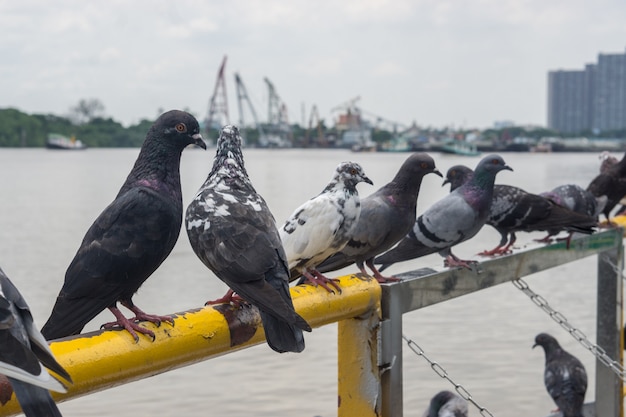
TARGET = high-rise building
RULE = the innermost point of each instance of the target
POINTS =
(589, 99)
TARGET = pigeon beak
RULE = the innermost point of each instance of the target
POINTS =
(367, 180)
(198, 141)
(535, 345)
(507, 167)
(446, 181)
(437, 172)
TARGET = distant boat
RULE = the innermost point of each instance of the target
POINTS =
(460, 147)
(56, 141)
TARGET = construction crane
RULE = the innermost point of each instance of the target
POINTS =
(218, 105)
(321, 139)
(242, 95)
(278, 124)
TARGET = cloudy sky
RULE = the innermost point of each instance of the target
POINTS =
(462, 63)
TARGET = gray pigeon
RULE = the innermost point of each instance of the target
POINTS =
(386, 217)
(234, 234)
(564, 376)
(454, 219)
(323, 225)
(515, 210)
(131, 237)
(25, 354)
(611, 182)
(577, 199)
(446, 404)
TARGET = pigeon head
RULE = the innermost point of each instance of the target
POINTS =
(486, 170)
(228, 153)
(349, 174)
(418, 165)
(547, 342)
(457, 176)
(438, 401)
(178, 129)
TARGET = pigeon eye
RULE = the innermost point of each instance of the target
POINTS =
(495, 161)
(424, 165)
(353, 171)
(181, 127)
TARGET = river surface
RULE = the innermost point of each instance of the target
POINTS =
(484, 340)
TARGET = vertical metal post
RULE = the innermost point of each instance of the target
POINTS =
(359, 380)
(609, 329)
(390, 362)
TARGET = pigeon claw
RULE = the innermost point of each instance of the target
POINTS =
(380, 278)
(229, 298)
(452, 261)
(316, 278)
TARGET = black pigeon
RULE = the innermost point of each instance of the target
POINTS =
(611, 182)
(446, 404)
(131, 237)
(24, 353)
(454, 219)
(386, 217)
(233, 232)
(515, 210)
(322, 226)
(564, 376)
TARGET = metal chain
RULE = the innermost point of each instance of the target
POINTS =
(577, 334)
(439, 370)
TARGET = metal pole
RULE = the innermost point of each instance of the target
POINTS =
(390, 362)
(609, 330)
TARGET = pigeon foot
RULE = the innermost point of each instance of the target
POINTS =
(229, 298)
(377, 275)
(316, 278)
(132, 327)
(140, 315)
(452, 261)
(498, 250)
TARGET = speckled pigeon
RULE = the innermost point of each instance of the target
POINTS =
(386, 217)
(514, 210)
(234, 234)
(454, 219)
(564, 376)
(322, 226)
(611, 182)
(577, 199)
(446, 404)
(131, 237)
(24, 353)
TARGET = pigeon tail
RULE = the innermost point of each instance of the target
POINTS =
(407, 249)
(35, 401)
(69, 317)
(281, 336)
(283, 326)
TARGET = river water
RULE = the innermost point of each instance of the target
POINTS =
(50, 198)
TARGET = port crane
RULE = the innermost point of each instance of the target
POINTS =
(218, 105)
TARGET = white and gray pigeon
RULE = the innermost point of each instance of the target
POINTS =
(233, 232)
(132, 236)
(564, 376)
(25, 355)
(515, 210)
(577, 199)
(323, 225)
(386, 217)
(454, 219)
(446, 404)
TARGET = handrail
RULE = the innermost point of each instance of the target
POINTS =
(105, 359)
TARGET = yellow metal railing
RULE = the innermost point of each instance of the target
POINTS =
(104, 359)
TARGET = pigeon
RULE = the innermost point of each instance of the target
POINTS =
(564, 376)
(610, 182)
(607, 161)
(577, 199)
(454, 219)
(234, 234)
(446, 404)
(131, 237)
(386, 217)
(322, 226)
(515, 210)
(25, 355)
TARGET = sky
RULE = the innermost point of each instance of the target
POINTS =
(438, 63)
